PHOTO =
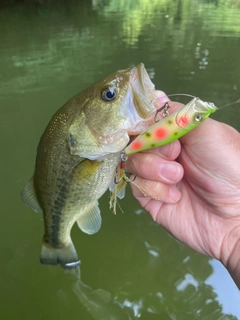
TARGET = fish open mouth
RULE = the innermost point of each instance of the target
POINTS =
(140, 108)
(143, 91)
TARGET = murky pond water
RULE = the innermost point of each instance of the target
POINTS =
(131, 269)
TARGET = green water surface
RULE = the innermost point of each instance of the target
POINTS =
(51, 50)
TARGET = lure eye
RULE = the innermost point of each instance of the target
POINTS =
(198, 118)
(108, 94)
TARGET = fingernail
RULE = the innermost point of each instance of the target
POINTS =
(175, 194)
(170, 171)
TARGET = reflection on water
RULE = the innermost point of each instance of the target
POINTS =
(98, 302)
(50, 52)
(224, 289)
(49, 49)
(151, 291)
(219, 18)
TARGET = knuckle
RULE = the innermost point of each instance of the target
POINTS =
(154, 189)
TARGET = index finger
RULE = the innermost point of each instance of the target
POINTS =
(154, 167)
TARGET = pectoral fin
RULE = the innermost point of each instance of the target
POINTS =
(90, 222)
(29, 198)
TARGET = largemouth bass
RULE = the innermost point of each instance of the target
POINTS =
(78, 154)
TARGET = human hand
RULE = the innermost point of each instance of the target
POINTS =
(199, 194)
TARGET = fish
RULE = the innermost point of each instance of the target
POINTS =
(171, 127)
(78, 154)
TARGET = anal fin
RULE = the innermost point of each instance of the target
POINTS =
(90, 222)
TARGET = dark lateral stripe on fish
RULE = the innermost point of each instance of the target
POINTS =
(54, 226)
(55, 229)
(56, 213)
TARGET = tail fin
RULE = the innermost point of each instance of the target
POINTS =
(67, 256)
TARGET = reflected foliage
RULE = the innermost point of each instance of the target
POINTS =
(153, 276)
(68, 32)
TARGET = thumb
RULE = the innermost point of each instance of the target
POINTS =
(212, 151)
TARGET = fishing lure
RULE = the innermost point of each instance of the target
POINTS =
(164, 131)
(172, 127)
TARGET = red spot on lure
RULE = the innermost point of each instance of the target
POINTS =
(183, 121)
(160, 133)
(136, 145)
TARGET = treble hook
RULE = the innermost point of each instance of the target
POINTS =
(115, 177)
(130, 180)
(125, 178)
(122, 165)
(115, 180)
(164, 110)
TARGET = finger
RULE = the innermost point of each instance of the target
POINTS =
(153, 167)
(145, 190)
(160, 99)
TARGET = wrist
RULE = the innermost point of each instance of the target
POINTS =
(230, 254)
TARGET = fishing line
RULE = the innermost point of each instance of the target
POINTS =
(181, 94)
(189, 95)
(229, 104)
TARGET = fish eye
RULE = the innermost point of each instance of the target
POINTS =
(108, 94)
(198, 118)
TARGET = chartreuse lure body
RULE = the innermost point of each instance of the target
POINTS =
(173, 126)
